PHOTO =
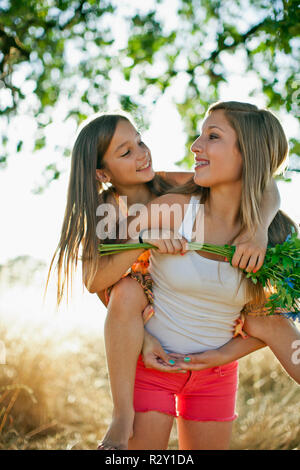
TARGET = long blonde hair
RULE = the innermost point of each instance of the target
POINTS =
(85, 193)
(264, 149)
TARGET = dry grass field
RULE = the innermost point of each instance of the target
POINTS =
(54, 394)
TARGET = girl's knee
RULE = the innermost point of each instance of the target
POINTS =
(259, 326)
(127, 292)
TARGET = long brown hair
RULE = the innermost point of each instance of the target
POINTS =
(264, 149)
(85, 193)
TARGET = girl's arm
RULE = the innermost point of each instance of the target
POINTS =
(155, 357)
(270, 203)
(251, 249)
(279, 333)
(110, 269)
(231, 351)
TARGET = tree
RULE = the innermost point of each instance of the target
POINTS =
(59, 45)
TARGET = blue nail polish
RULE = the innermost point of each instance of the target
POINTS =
(187, 359)
(171, 362)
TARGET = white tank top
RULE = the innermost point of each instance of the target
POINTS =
(196, 300)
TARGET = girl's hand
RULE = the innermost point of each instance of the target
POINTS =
(250, 251)
(165, 241)
(155, 357)
(200, 361)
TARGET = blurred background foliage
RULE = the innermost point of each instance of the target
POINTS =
(71, 49)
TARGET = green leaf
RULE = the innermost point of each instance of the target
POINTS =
(19, 146)
(40, 143)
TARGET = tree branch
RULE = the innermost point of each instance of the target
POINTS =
(9, 43)
(242, 40)
(12, 41)
(225, 47)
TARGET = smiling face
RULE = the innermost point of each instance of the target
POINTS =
(127, 160)
(217, 158)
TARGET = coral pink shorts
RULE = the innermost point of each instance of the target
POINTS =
(205, 395)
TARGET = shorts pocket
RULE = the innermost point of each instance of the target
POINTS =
(228, 369)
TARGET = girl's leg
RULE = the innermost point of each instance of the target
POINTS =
(124, 334)
(203, 435)
(282, 337)
(151, 431)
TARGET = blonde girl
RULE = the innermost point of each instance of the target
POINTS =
(110, 160)
(239, 150)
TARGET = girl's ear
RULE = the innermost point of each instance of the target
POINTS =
(102, 176)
